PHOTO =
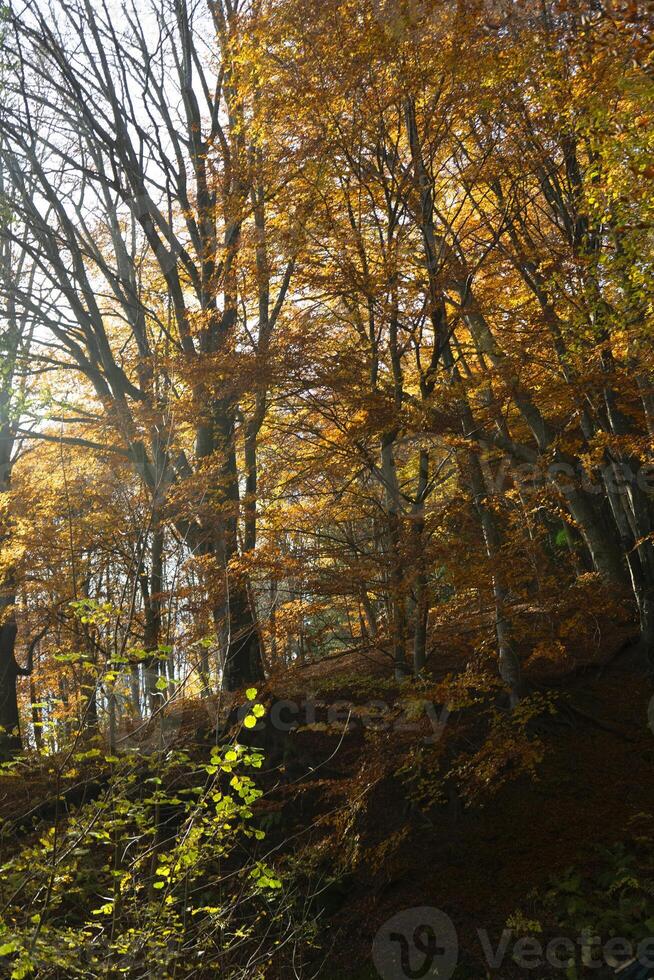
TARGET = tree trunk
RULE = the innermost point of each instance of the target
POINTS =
(10, 740)
(135, 690)
(37, 715)
(113, 716)
(151, 591)
(509, 664)
(396, 570)
(250, 498)
(243, 663)
(422, 603)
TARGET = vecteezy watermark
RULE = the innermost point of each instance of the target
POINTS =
(650, 714)
(286, 715)
(419, 943)
(617, 477)
(423, 943)
(587, 951)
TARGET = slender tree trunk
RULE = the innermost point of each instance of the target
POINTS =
(113, 719)
(10, 740)
(370, 614)
(396, 564)
(250, 498)
(37, 715)
(422, 603)
(509, 664)
(89, 718)
(151, 586)
(135, 690)
(64, 725)
(646, 389)
(272, 619)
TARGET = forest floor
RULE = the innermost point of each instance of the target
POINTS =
(549, 851)
(360, 803)
(593, 789)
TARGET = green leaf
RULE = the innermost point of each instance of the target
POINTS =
(21, 970)
(89, 754)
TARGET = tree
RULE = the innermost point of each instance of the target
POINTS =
(16, 334)
(150, 237)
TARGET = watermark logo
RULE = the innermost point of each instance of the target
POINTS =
(616, 477)
(422, 943)
(286, 715)
(416, 944)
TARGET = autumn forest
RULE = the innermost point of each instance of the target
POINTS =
(326, 488)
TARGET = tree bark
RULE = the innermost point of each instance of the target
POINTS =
(422, 602)
(10, 739)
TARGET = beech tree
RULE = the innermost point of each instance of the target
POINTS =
(141, 248)
(16, 334)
